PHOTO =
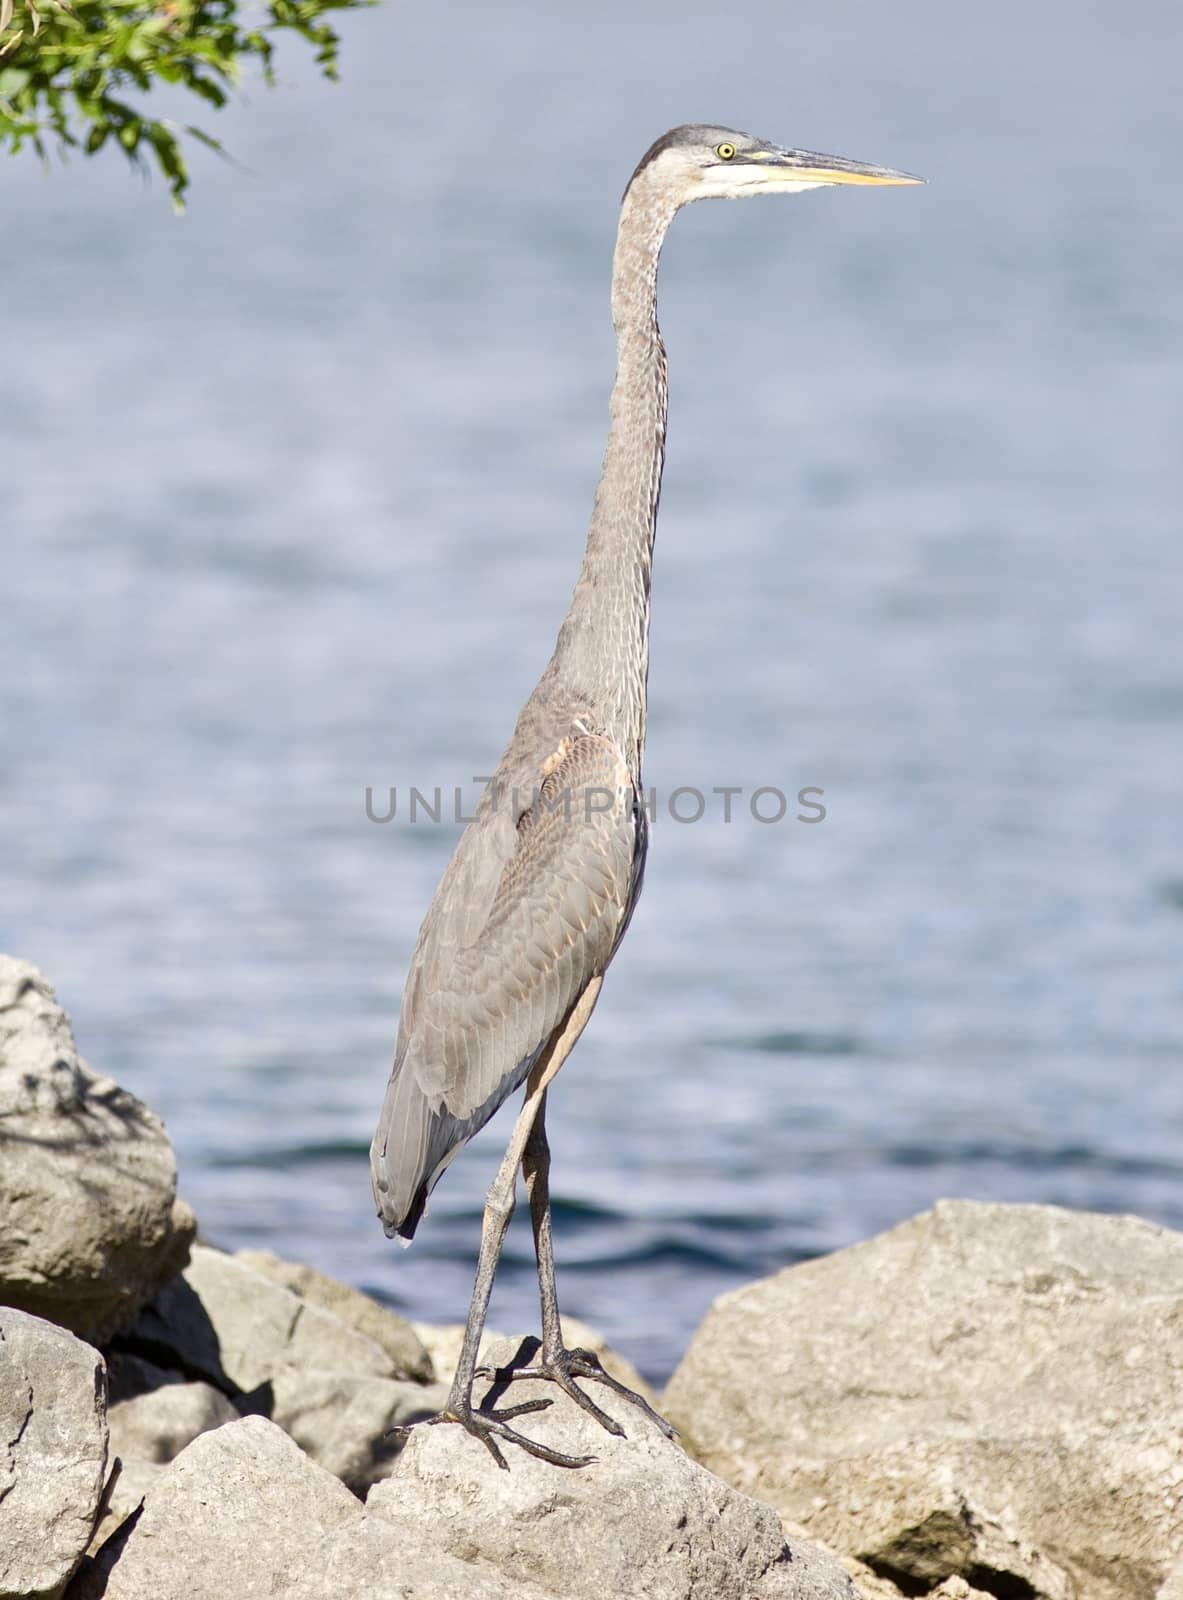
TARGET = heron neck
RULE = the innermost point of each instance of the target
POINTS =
(604, 643)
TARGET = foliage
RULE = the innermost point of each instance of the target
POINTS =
(67, 67)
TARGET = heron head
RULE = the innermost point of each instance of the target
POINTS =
(698, 162)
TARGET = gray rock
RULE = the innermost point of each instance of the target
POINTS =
(642, 1520)
(242, 1511)
(232, 1325)
(90, 1225)
(53, 1453)
(130, 1375)
(392, 1333)
(128, 1482)
(285, 1357)
(916, 1524)
(148, 1430)
(987, 1392)
(874, 1586)
(343, 1420)
(157, 1425)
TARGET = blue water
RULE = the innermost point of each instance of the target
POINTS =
(294, 492)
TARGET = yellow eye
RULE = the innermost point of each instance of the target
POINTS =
(725, 151)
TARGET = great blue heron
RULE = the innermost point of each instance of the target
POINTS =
(539, 891)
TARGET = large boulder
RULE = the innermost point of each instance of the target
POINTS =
(392, 1333)
(642, 1519)
(223, 1321)
(53, 1453)
(157, 1424)
(989, 1392)
(152, 1416)
(90, 1224)
(345, 1421)
(242, 1511)
(334, 1379)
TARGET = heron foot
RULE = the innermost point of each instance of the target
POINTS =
(563, 1367)
(490, 1426)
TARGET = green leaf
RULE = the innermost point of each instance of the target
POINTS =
(205, 139)
(208, 91)
(67, 84)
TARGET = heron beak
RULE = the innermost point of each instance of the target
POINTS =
(806, 166)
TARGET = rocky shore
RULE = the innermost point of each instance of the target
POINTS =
(985, 1403)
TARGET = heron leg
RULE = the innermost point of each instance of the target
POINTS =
(555, 1362)
(491, 1425)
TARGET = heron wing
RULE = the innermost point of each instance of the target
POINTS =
(494, 975)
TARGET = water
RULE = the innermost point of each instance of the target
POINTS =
(294, 494)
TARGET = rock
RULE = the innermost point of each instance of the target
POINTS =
(916, 1523)
(643, 1519)
(53, 1453)
(991, 1393)
(242, 1511)
(871, 1586)
(343, 1421)
(130, 1375)
(336, 1390)
(225, 1322)
(127, 1484)
(148, 1430)
(157, 1425)
(392, 1333)
(90, 1225)
(443, 1341)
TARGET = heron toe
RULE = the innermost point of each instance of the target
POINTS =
(489, 1426)
(563, 1367)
